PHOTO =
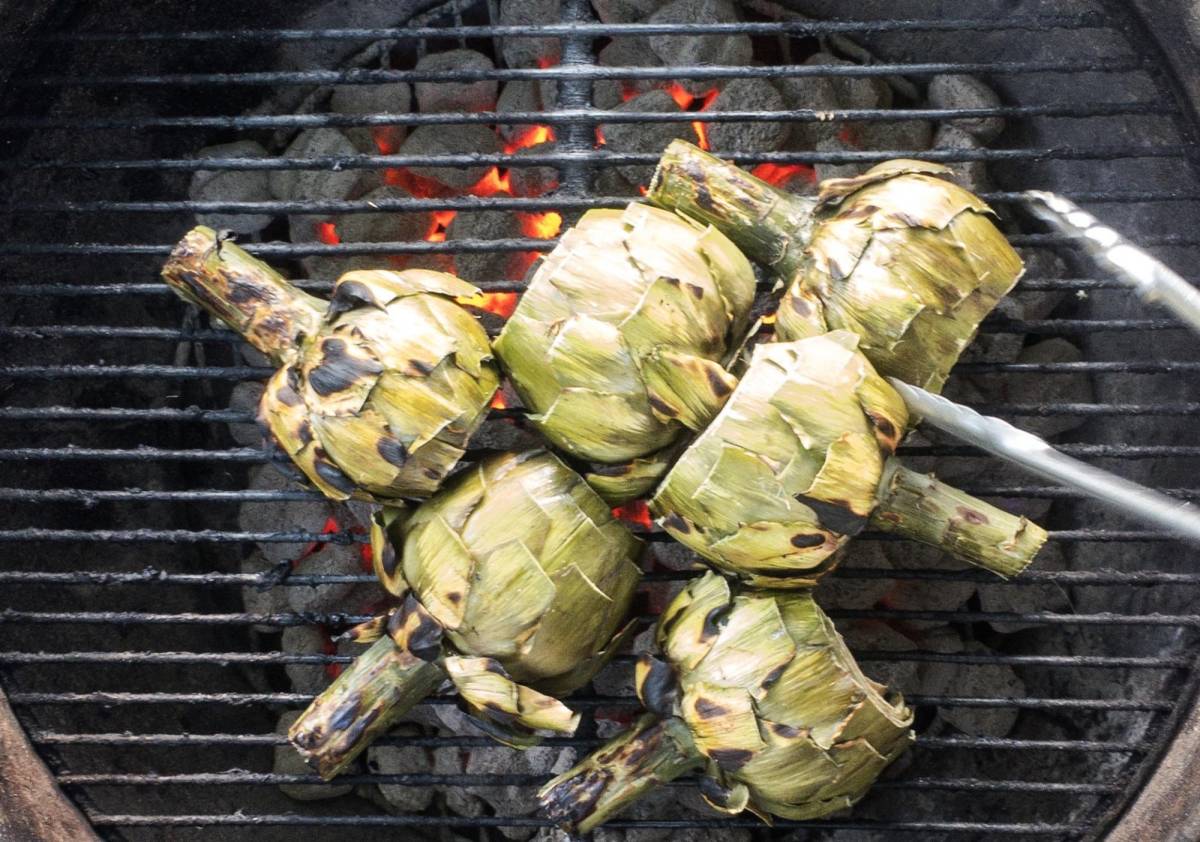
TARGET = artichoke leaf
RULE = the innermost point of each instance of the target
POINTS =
(722, 722)
(685, 388)
(443, 586)
(387, 533)
(751, 651)
(509, 593)
(688, 629)
(567, 630)
(492, 694)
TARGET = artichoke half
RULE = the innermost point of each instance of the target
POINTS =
(378, 390)
(899, 255)
(618, 344)
(515, 583)
(800, 459)
(757, 690)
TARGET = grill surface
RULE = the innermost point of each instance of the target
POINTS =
(127, 652)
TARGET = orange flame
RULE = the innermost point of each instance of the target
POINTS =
(532, 136)
(500, 304)
(492, 183)
(327, 233)
(499, 401)
(437, 227)
(780, 175)
(690, 102)
(636, 513)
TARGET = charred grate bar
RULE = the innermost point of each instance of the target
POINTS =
(130, 653)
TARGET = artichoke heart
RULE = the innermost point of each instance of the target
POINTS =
(618, 344)
(378, 390)
(800, 459)
(758, 691)
(515, 583)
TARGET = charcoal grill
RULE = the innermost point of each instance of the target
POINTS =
(128, 657)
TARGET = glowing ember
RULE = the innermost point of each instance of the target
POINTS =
(492, 183)
(541, 225)
(681, 96)
(780, 175)
(499, 401)
(327, 233)
(328, 647)
(850, 136)
(769, 320)
(437, 228)
(701, 129)
(691, 102)
(416, 185)
(501, 304)
(532, 136)
(634, 513)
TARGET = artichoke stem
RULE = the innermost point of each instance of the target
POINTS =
(382, 685)
(770, 226)
(651, 753)
(243, 292)
(925, 509)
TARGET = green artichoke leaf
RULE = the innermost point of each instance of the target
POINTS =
(685, 388)
(688, 629)
(834, 190)
(388, 285)
(789, 771)
(492, 694)
(570, 422)
(587, 351)
(442, 587)
(509, 593)
(357, 442)
(567, 631)
(387, 533)
(672, 313)
(733, 274)
(339, 372)
(407, 337)
(587, 668)
(753, 647)
(630, 480)
(723, 723)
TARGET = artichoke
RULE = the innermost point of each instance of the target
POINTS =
(515, 580)
(617, 346)
(899, 255)
(757, 690)
(800, 459)
(378, 390)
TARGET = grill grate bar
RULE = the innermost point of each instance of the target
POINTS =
(286, 250)
(294, 819)
(155, 576)
(923, 742)
(589, 72)
(470, 781)
(274, 658)
(1035, 23)
(254, 456)
(126, 618)
(563, 116)
(324, 287)
(605, 158)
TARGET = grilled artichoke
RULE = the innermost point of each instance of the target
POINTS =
(758, 690)
(800, 459)
(515, 581)
(899, 255)
(617, 345)
(378, 390)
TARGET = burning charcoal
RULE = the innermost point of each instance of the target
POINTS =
(1024, 599)
(461, 140)
(391, 98)
(517, 96)
(922, 594)
(440, 97)
(330, 560)
(867, 635)
(997, 347)
(244, 398)
(403, 760)
(809, 93)
(256, 600)
(533, 181)
(747, 95)
(309, 678)
(452, 760)
(700, 50)
(516, 800)
(487, 265)
(906, 136)
(232, 186)
(534, 51)
(844, 592)
(1049, 389)
(1041, 264)
(610, 182)
(827, 170)
(383, 226)
(854, 92)
(289, 762)
(282, 516)
(972, 175)
(629, 51)
(624, 11)
(954, 91)
(644, 137)
(978, 680)
(316, 185)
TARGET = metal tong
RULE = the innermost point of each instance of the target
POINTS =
(1154, 283)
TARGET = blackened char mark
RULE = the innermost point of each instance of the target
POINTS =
(339, 370)
(836, 516)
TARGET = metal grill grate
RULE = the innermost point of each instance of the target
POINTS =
(128, 654)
